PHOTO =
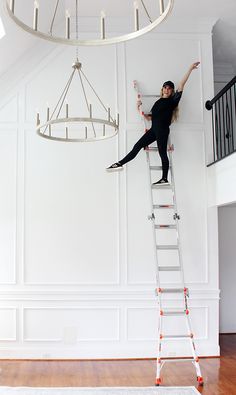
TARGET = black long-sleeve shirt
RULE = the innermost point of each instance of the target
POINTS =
(162, 111)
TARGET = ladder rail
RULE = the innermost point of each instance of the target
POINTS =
(178, 246)
(152, 215)
(176, 217)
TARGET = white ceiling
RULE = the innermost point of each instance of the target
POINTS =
(16, 42)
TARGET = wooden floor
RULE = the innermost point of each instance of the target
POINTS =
(219, 373)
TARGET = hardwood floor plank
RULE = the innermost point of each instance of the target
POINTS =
(219, 373)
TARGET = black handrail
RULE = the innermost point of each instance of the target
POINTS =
(223, 107)
(209, 103)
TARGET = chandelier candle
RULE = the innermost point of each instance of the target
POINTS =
(36, 15)
(103, 25)
(136, 16)
(67, 110)
(86, 132)
(67, 24)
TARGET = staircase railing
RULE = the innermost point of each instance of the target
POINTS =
(223, 107)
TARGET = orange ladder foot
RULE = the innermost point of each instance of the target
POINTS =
(158, 382)
(200, 380)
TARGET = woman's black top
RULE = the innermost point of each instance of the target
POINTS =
(162, 111)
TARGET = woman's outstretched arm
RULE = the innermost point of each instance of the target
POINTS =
(186, 76)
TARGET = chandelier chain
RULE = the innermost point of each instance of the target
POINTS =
(77, 27)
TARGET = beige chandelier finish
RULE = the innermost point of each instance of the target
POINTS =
(85, 126)
(66, 38)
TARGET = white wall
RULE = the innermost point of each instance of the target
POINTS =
(221, 180)
(227, 253)
(77, 262)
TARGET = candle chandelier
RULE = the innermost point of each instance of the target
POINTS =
(54, 13)
(77, 129)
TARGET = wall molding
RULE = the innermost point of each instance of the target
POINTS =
(99, 295)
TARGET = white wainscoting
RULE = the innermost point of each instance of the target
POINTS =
(77, 266)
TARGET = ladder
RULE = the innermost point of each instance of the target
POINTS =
(161, 251)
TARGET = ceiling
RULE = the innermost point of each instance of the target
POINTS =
(17, 42)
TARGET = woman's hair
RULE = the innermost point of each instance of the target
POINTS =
(175, 115)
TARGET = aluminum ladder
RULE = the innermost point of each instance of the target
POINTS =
(162, 292)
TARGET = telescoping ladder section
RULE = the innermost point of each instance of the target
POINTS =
(168, 259)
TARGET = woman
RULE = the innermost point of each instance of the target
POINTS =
(163, 113)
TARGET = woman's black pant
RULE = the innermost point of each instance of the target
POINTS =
(148, 138)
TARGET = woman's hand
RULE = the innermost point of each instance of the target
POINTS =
(186, 76)
(194, 66)
(139, 103)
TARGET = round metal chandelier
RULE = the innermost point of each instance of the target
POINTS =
(38, 28)
(77, 129)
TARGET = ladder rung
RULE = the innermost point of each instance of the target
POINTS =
(164, 206)
(169, 268)
(165, 226)
(174, 312)
(176, 359)
(161, 186)
(176, 337)
(172, 290)
(151, 95)
(167, 247)
(155, 167)
(151, 149)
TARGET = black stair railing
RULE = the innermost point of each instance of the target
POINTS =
(223, 107)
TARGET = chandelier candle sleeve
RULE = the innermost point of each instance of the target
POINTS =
(118, 119)
(48, 112)
(109, 114)
(86, 132)
(104, 129)
(12, 6)
(36, 15)
(67, 24)
(67, 110)
(136, 16)
(38, 120)
(103, 25)
(161, 6)
(90, 110)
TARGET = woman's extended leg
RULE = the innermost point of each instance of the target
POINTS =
(148, 138)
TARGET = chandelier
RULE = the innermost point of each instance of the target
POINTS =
(44, 18)
(77, 129)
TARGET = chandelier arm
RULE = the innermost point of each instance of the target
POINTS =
(54, 16)
(79, 120)
(86, 99)
(65, 89)
(103, 105)
(164, 13)
(64, 93)
(145, 9)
